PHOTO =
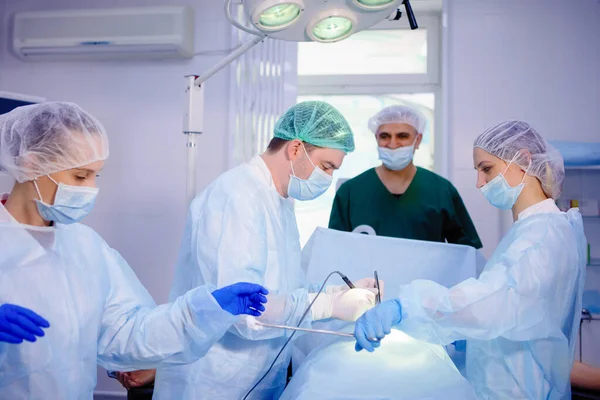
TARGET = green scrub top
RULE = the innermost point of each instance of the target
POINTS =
(430, 209)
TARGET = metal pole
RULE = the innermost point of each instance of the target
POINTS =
(193, 125)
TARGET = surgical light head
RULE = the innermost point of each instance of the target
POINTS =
(320, 20)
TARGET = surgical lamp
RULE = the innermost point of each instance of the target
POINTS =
(324, 21)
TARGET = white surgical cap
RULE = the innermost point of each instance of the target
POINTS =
(507, 138)
(398, 115)
(41, 139)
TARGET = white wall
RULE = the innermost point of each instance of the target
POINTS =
(536, 60)
(141, 209)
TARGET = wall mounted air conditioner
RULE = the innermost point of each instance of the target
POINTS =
(148, 32)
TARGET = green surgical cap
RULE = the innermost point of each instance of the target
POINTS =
(317, 123)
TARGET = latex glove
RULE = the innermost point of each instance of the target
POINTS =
(242, 298)
(460, 345)
(346, 305)
(370, 283)
(18, 324)
(136, 378)
(350, 305)
(377, 323)
(364, 283)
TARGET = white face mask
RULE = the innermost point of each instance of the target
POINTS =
(397, 159)
(499, 193)
(71, 203)
(309, 189)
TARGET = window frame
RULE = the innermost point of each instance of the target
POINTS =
(308, 83)
(395, 84)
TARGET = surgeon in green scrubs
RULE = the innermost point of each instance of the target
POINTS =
(398, 199)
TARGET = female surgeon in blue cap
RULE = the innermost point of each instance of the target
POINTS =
(520, 318)
(67, 300)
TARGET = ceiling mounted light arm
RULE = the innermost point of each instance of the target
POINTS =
(237, 24)
(397, 14)
(229, 59)
(410, 15)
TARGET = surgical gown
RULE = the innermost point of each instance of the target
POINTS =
(430, 209)
(520, 318)
(99, 313)
(239, 229)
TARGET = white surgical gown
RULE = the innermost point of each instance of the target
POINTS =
(239, 229)
(520, 318)
(99, 313)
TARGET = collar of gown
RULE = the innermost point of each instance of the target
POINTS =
(263, 173)
(5, 216)
(543, 207)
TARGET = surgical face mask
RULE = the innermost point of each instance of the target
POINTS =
(71, 203)
(500, 194)
(397, 159)
(309, 189)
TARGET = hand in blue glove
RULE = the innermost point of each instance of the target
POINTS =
(242, 298)
(460, 345)
(18, 324)
(376, 323)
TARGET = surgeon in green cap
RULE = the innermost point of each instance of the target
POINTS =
(242, 228)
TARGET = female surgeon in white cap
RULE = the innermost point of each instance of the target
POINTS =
(520, 318)
(59, 275)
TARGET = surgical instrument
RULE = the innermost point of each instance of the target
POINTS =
(346, 280)
(295, 328)
(378, 296)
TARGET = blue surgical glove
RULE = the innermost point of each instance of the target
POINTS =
(242, 298)
(376, 323)
(18, 324)
(460, 345)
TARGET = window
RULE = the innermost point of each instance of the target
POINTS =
(361, 75)
(371, 52)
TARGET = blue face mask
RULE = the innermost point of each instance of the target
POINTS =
(309, 189)
(500, 194)
(71, 203)
(397, 159)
